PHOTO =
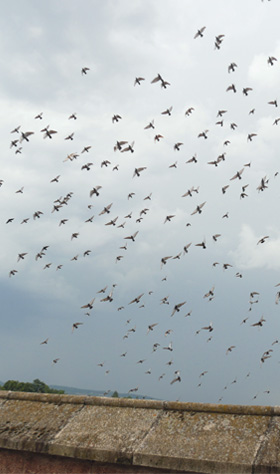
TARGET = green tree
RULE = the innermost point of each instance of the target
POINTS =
(36, 386)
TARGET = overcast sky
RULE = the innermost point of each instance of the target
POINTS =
(44, 47)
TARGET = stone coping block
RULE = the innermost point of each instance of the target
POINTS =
(175, 436)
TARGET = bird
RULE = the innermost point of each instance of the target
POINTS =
(88, 305)
(70, 136)
(177, 378)
(86, 149)
(201, 244)
(16, 130)
(150, 125)
(137, 171)
(209, 293)
(167, 111)
(263, 239)
(48, 132)
(199, 32)
(271, 60)
(250, 136)
(208, 328)
(215, 237)
(12, 273)
(203, 134)
(218, 41)
(226, 266)
(94, 191)
(263, 184)
(229, 349)
(25, 135)
(159, 78)
(106, 209)
(138, 80)
(137, 299)
(116, 118)
(74, 235)
(169, 347)
(177, 307)
(20, 191)
(191, 191)
(237, 175)
(232, 67)
(164, 260)
(63, 221)
(112, 222)
(231, 88)
(21, 256)
(13, 143)
(151, 328)
(273, 102)
(45, 341)
(259, 323)
(246, 90)
(158, 137)
(132, 237)
(109, 297)
(105, 163)
(189, 111)
(128, 148)
(86, 166)
(193, 159)
(55, 180)
(177, 146)
(168, 218)
(85, 70)
(198, 209)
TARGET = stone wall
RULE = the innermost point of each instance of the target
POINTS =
(47, 433)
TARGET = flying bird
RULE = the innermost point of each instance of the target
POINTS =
(137, 299)
(199, 32)
(106, 209)
(85, 70)
(167, 111)
(138, 80)
(177, 307)
(132, 237)
(137, 171)
(198, 209)
(263, 239)
(116, 118)
(237, 174)
(271, 60)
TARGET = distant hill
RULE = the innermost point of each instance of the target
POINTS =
(95, 393)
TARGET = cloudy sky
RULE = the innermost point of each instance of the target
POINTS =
(44, 47)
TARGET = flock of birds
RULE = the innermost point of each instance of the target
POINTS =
(103, 214)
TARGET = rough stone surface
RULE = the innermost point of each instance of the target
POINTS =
(22, 462)
(128, 435)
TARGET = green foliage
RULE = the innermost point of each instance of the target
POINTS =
(37, 386)
(115, 394)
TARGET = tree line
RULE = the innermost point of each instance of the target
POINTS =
(36, 386)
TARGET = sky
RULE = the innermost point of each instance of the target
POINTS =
(178, 329)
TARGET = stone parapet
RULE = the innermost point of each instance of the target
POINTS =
(138, 435)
